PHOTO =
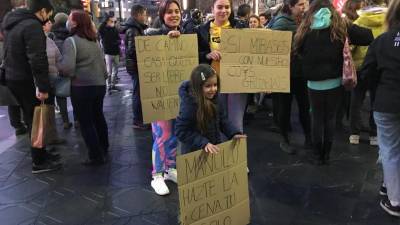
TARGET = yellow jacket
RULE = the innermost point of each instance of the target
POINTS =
(372, 18)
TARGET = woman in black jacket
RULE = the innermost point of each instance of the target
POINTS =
(288, 20)
(382, 64)
(319, 41)
(209, 38)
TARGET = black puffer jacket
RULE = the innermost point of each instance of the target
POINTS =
(382, 65)
(186, 123)
(322, 58)
(110, 39)
(25, 47)
(203, 38)
(132, 29)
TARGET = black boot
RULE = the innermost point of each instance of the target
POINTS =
(327, 147)
(316, 155)
(285, 145)
(308, 142)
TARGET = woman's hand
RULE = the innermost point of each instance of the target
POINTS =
(214, 55)
(239, 136)
(210, 148)
(174, 34)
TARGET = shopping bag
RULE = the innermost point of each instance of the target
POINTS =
(349, 76)
(40, 125)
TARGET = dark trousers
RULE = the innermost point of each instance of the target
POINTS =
(62, 103)
(275, 108)
(357, 99)
(136, 102)
(323, 113)
(298, 89)
(88, 105)
(25, 93)
(15, 116)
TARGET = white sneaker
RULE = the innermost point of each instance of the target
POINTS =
(159, 185)
(354, 139)
(171, 175)
(373, 140)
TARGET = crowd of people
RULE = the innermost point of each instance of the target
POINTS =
(39, 56)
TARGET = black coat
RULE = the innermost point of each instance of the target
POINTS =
(110, 39)
(203, 39)
(322, 58)
(25, 47)
(132, 29)
(186, 123)
(382, 64)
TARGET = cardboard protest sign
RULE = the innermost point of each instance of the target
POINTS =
(163, 64)
(255, 60)
(213, 188)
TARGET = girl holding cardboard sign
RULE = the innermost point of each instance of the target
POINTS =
(165, 141)
(209, 38)
(202, 117)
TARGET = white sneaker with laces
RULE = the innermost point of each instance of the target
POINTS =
(159, 185)
(373, 140)
(171, 175)
(354, 139)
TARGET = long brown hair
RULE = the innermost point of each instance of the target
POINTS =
(84, 26)
(206, 109)
(338, 26)
(350, 9)
(393, 15)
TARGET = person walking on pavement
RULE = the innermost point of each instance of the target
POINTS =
(26, 68)
(382, 63)
(82, 60)
(14, 111)
(110, 41)
(135, 27)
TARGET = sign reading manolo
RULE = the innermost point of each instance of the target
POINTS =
(213, 188)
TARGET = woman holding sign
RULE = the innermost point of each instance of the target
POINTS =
(209, 39)
(165, 141)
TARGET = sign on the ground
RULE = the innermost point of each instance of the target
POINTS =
(163, 64)
(255, 60)
(213, 188)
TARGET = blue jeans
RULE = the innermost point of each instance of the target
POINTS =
(136, 102)
(388, 127)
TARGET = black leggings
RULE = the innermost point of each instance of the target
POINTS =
(323, 113)
(298, 89)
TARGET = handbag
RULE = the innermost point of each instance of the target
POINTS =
(349, 76)
(62, 85)
(41, 125)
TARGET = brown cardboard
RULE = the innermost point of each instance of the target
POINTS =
(255, 60)
(199, 164)
(213, 188)
(163, 64)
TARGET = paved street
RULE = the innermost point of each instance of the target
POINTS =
(284, 190)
